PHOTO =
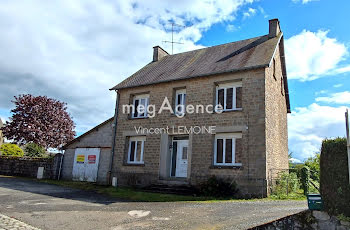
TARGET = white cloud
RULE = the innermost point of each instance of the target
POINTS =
(337, 98)
(76, 50)
(312, 55)
(308, 126)
(251, 12)
(231, 28)
(303, 1)
(294, 160)
(337, 85)
(321, 92)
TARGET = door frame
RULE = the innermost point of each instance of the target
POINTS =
(173, 139)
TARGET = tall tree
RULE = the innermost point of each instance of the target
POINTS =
(41, 120)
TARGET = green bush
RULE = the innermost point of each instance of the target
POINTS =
(34, 150)
(287, 183)
(334, 177)
(11, 150)
(217, 187)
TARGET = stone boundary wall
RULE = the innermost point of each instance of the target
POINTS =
(28, 166)
(312, 220)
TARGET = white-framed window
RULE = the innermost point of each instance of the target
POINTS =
(180, 101)
(140, 104)
(136, 150)
(229, 96)
(225, 149)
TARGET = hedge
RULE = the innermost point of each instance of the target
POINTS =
(334, 178)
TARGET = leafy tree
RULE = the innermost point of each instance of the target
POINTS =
(314, 165)
(11, 150)
(34, 150)
(41, 120)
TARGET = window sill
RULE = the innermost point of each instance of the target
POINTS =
(237, 166)
(134, 164)
(229, 111)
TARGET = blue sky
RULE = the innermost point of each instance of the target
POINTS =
(81, 49)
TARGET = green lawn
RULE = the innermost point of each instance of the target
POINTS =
(132, 194)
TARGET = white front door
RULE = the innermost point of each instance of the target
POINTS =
(181, 158)
(86, 164)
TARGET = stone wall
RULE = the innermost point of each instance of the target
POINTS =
(28, 167)
(312, 220)
(276, 119)
(250, 122)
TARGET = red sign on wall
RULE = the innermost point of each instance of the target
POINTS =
(91, 159)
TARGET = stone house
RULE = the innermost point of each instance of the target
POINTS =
(250, 142)
(245, 140)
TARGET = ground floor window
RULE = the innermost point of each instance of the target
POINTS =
(225, 149)
(136, 150)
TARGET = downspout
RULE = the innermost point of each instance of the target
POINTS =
(113, 137)
(60, 168)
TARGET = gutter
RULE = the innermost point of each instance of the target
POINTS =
(113, 137)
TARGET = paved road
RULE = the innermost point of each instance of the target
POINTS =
(53, 207)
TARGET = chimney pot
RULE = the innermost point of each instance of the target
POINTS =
(274, 28)
(158, 53)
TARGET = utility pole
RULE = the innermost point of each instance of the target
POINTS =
(172, 37)
(348, 138)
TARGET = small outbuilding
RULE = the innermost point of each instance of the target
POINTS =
(87, 157)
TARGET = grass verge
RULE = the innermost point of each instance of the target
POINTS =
(132, 194)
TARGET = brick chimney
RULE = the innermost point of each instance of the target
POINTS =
(274, 28)
(158, 53)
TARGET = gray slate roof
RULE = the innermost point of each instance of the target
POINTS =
(235, 56)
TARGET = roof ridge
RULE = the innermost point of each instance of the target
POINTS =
(214, 46)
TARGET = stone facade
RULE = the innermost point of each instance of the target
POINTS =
(98, 137)
(262, 123)
(276, 119)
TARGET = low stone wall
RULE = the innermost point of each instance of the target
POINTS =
(313, 220)
(28, 166)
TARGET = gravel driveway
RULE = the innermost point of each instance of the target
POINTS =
(53, 207)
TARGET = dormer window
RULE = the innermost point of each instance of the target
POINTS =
(229, 96)
(140, 104)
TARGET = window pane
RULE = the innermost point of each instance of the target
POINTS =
(136, 104)
(228, 151)
(229, 96)
(184, 153)
(142, 107)
(179, 99)
(132, 151)
(239, 97)
(138, 151)
(219, 150)
(184, 99)
(221, 97)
